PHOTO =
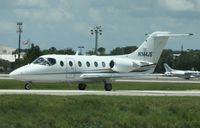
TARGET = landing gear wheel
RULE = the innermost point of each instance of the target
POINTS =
(81, 86)
(108, 86)
(28, 85)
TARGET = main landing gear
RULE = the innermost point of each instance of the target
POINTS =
(107, 86)
(82, 86)
(28, 85)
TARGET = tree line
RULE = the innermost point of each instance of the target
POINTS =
(185, 60)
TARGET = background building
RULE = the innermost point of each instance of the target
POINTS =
(6, 53)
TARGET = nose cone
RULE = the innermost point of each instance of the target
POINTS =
(15, 74)
(26, 73)
(19, 73)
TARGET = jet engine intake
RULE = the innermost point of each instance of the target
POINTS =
(121, 65)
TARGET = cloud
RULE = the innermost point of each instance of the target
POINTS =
(95, 14)
(181, 5)
(82, 28)
(44, 15)
(31, 3)
(124, 21)
(45, 11)
(7, 26)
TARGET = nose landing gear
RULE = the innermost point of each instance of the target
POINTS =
(28, 85)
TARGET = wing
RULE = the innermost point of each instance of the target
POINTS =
(98, 76)
(116, 75)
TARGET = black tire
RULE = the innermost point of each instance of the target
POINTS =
(81, 86)
(27, 86)
(108, 87)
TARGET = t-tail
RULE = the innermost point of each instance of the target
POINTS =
(167, 68)
(153, 46)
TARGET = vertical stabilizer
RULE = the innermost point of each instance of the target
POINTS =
(153, 46)
(167, 68)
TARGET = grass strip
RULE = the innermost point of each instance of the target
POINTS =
(33, 111)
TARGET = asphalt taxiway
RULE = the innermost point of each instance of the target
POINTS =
(160, 79)
(4, 76)
(105, 93)
(114, 93)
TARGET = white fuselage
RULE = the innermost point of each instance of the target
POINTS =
(183, 73)
(70, 68)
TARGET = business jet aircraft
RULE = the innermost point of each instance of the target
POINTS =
(83, 69)
(187, 74)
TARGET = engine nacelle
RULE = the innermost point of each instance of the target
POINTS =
(168, 74)
(122, 65)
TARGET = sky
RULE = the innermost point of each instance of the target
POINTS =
(67, 23)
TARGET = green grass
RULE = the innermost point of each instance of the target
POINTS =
(33, 111)
(13, 84)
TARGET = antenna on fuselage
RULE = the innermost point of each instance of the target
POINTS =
(77, 52)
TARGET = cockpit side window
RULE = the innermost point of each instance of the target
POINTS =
(52, 61)
(39, 60)
(43, 61)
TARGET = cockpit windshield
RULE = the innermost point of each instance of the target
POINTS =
(46, 62)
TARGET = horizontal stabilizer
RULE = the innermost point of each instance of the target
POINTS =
(171, 35)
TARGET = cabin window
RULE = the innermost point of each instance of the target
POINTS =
(88, 64)
(61, 63)
(70, 63)
(103, 64)
(95, 64)
(79, 64)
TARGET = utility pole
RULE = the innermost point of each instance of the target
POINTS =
(19, 30)
(81, 47)
(96, 31)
